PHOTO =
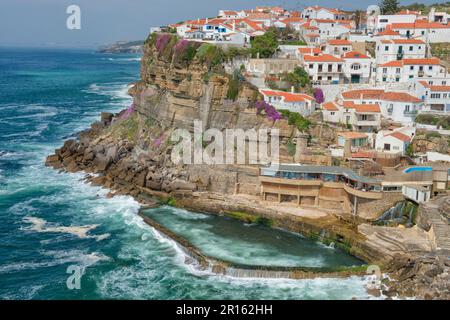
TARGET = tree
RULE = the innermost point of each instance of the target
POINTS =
(266, 45)
(389, 6)
(298, 78)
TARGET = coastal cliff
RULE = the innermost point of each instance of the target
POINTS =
(130, 152)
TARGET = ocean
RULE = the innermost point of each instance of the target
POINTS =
(52, 222)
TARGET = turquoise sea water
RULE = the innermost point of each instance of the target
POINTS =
(50, 221)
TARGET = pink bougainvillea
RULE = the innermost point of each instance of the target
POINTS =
(181, 46)
(271, 112)
(158, 141)
(318, 95)
(128, 112)
(161, 42)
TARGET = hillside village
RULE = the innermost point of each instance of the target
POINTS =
(369, 76)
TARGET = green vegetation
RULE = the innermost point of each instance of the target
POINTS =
(433, 134)
(250, 218)
(440, 121)
(234, 84)
(389, 6)
(171, 202)
(291, 147)
(293, 42)
(410, 150)
(299, 78)
(425, 8)
(265, 45)
(441, 50)
(129, 128)
(211, 55)
(296, 119)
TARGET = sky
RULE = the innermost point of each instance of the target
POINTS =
(43, 22)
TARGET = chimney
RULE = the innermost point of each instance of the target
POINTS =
(292, 89)
(234, 25)
(207, 20)
(257, 55)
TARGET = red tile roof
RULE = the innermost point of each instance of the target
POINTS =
(370, 108)
(408, 62)
(389, 32)
(310, 51)
(400, 136)
(352, 135)
(288, 96)
(400, 97)
(434, 87)
(354, 55)
(339, 42)
(391, 64)
(365, 93)
(420, 25)
(403, 41)
(330, 106)
(322, 58)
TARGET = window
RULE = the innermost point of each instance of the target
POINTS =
(384, 79)
(407, 108)
(423, 32)
(386, 48)
(384, 70)
(397, 70)
(411, 68)
(430, 68)
(332, 113)
(444, 95)
(384, 20)
(387, 147)
(364, 117)
(411, 48)
(395, 148)
(311, 66)
(330, 67)
(339, 67)
(329, 78)
(356, 66)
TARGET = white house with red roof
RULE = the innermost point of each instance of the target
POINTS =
(433, 32)
(435, 93)
(397, 49)
(332, 29)
(408, 70)
(400, 107)
(318, 12)
(403, 17)
(394, 141)
(323, 68)
(293, 102)
(338, 47)
(361, 117)
(357, 67)
(229, 14)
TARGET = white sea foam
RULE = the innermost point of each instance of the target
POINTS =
(40, 225)
(58, 257)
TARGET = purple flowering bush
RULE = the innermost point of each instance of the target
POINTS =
(158, 141)
(271, 112)
(162, 40)
(128, 112)
(318, 95)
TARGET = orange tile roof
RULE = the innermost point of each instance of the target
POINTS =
(313, 35)
(309, 51)
(400, 136)
(325, 20)
(352, 135)
(403, 41)
(362, 108)
(389, 32)
(354, 55)
(420, 25)
(330, 106)
(365, 93)
(408, 62)
(434, 87)
(339, 42)
(322, 58)
(288, 96)
(399, 96)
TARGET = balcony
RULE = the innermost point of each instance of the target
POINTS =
(367, 123)
(410, 113)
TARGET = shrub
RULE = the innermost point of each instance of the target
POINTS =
(271, 112)
(297, 120)
(298, 78)
(162, 40)
(291, 147)
(210, 54)
(266, 45)
(233, 85)
(318, 95)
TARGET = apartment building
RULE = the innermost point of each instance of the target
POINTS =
(407, 70)
(398, 49)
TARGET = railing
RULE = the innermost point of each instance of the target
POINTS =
(410, 113)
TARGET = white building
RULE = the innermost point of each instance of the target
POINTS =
(418, 194)
(400, 107)
(436, 95)
(409, 70)
(317, 12)
(357, 67)
(393, 141)
(323, 68)
(432, 32)
(293, 102)
(384, 20)
(361, 117)
(338, 47)
(397, 49)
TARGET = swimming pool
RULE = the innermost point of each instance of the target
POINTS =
(413, 169)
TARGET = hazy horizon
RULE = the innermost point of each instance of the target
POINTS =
(27, 23)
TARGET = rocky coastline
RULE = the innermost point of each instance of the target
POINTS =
(129, 153)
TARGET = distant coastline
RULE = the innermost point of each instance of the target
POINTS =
(123, 47)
